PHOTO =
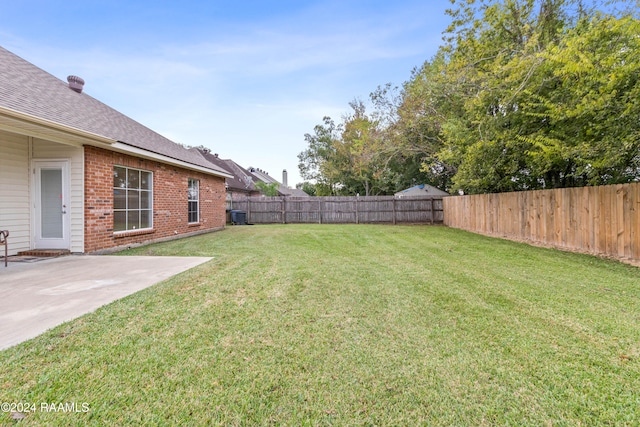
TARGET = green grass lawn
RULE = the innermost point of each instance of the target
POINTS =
(349, 325)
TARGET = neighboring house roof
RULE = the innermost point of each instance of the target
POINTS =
(295, 192)
(282, 189)
(421, 190)
(263, 176)
(242, 180)
(34, 93)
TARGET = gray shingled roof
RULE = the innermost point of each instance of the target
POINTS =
(28, 89)
(242, 179)
(421, 190)
(267, 179)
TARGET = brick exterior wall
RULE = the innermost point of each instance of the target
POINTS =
(169, 201)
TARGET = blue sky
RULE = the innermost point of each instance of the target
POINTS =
(246, 79)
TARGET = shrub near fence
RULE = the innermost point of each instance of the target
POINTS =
(601, 220)
(341, 210)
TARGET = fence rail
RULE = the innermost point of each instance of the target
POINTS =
(601, 220)
(341, 210)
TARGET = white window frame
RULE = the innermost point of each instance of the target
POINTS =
(193, 197)
(125, 187)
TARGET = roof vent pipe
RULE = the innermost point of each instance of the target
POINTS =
(75, 83)
(284, 178)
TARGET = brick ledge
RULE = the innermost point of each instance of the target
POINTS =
(129, 233)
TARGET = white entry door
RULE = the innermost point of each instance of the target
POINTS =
(51, 204)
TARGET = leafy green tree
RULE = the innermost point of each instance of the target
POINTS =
(592, 130)
(363, 154)
(523, 94)
(416, 135)
(269, 190)
(318, 163)
(342, 159)
(307, 187)
(358, 149)
(531, 110)
(491, 57)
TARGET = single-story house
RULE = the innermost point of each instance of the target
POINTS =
(421, 190)
(78, 175)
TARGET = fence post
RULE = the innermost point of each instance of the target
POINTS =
(320, 210)
(357, 215)
(284, 209)
(432, 213)
(394, 210)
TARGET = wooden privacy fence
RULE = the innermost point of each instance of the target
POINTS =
(341, 210)
(598, 220)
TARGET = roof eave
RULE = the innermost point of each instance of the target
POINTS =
(124, 148)
(27, 124)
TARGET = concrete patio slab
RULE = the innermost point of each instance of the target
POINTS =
(35, 297)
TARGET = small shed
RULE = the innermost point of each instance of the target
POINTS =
(421, 190)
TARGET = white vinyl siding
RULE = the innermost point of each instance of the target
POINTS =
(14, 191)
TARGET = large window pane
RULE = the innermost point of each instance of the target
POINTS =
(119, 198)
(145, 200)
(119, 221)
(133, 178)
(145, 180)
(119, 177)
(51, 202)
(145, 219)
(133, 220)
(193, 212)
(133, 199)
